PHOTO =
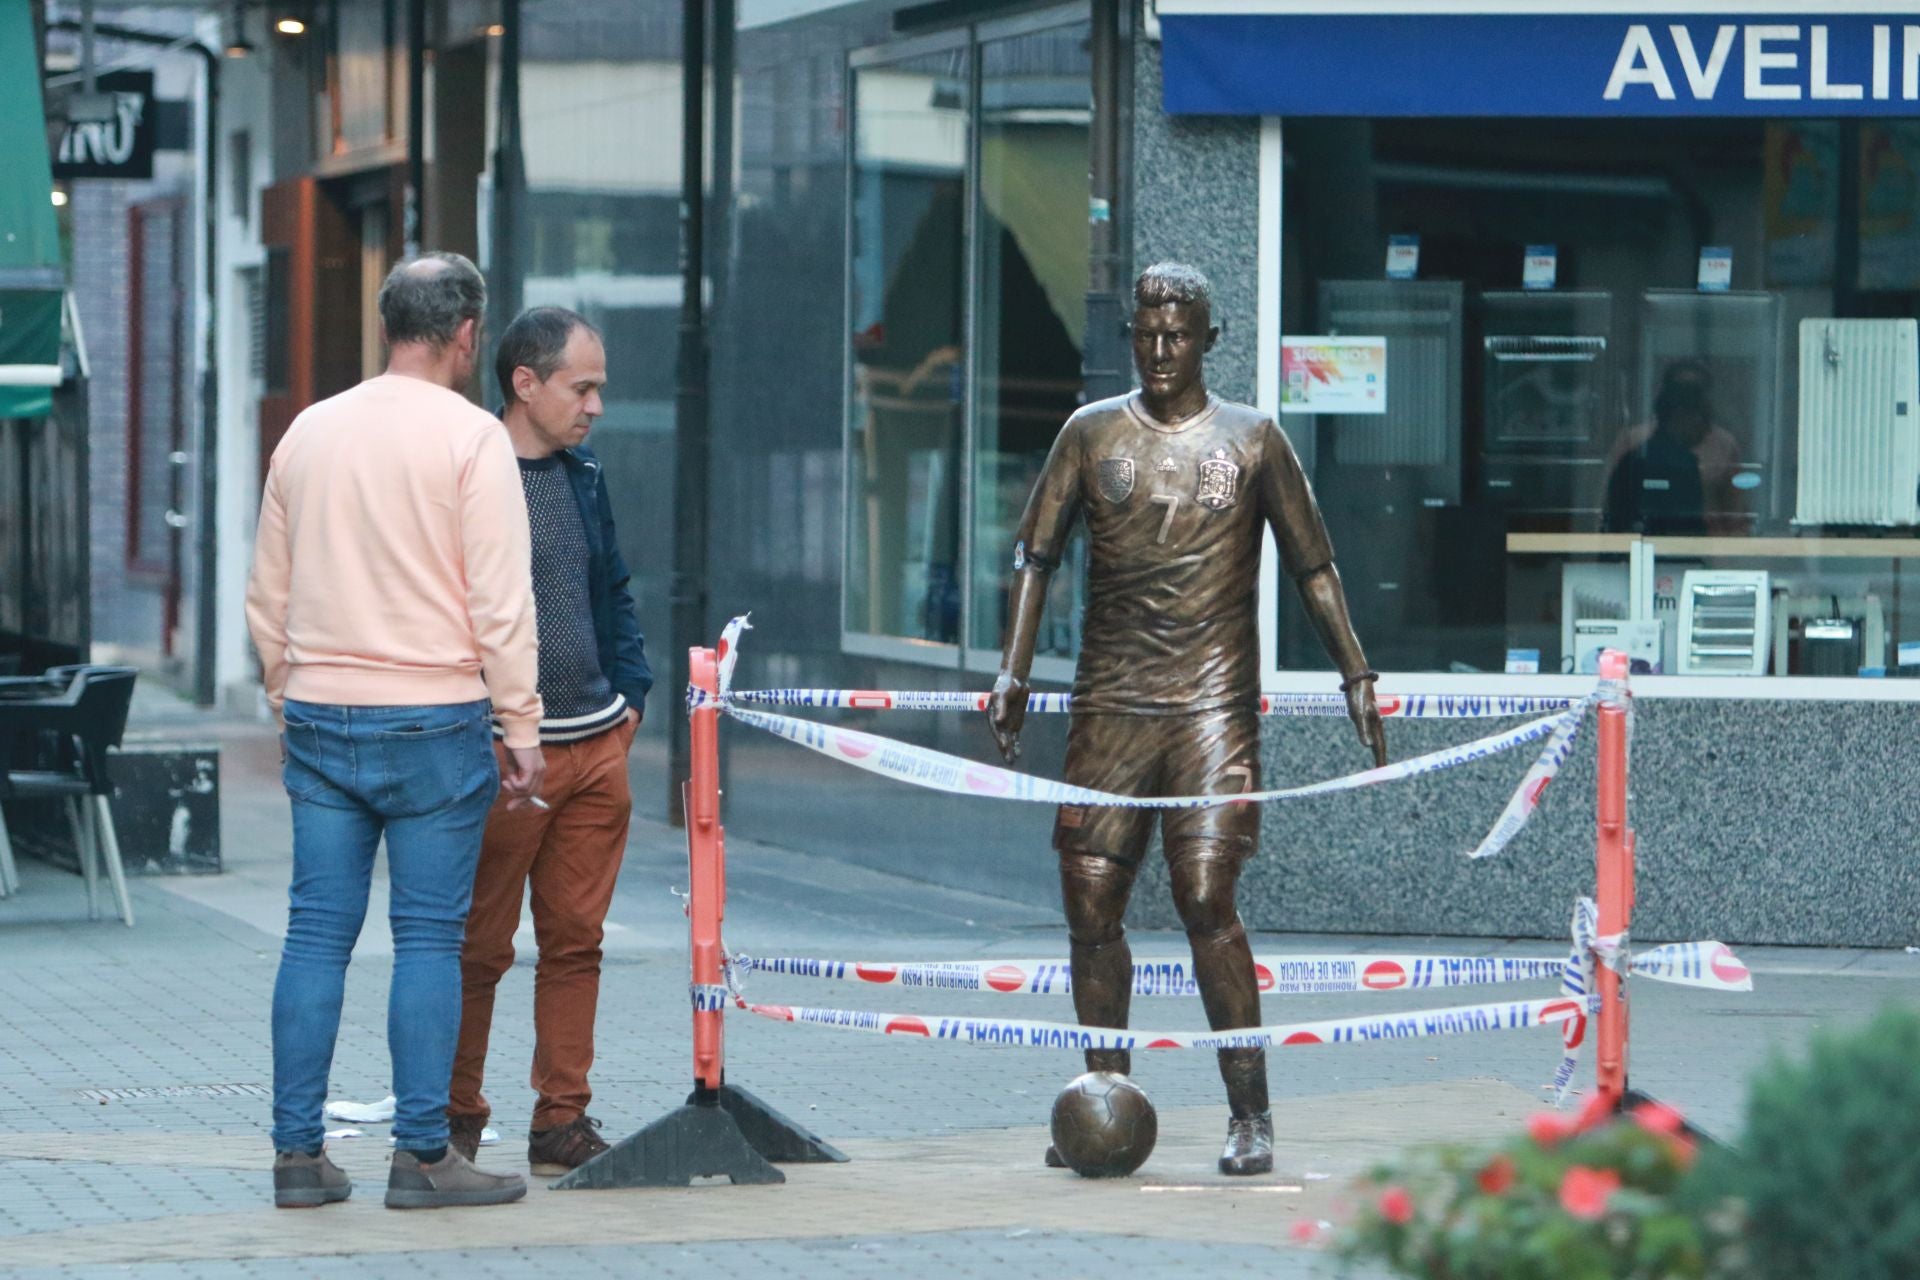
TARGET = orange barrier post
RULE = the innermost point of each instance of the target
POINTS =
(723, 1130)
(706, 874)
(1614, 882)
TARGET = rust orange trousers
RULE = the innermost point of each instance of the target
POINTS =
(570, 855)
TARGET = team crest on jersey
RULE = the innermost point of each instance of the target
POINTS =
(1115, 478)
(1219, 479)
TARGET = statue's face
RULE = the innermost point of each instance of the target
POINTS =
(1170, 343)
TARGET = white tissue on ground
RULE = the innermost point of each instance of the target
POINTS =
(380, 1112)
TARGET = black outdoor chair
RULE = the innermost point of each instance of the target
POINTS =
(70, 732)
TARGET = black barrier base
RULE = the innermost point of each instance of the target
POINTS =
(727, 1133)
(1632, 1098)
(772, 1134)
(697, 1141)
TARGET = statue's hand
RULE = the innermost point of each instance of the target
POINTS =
(1006, 712)
(1365, 714)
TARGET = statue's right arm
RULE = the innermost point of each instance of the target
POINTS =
(1042, 539)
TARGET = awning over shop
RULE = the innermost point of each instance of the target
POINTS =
(30, 276)
(1541, 57)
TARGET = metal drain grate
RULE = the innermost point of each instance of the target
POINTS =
(170, 1091)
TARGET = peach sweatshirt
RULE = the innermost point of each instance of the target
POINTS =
(393, 565)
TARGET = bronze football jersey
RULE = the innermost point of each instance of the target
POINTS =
(1174, 518)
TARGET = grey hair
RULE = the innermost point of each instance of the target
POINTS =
(426, 299)
(537, 340)
(1165, 282)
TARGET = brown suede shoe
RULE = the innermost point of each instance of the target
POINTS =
(301, 1181)
(563, 1148)
(453, 1181)
(463, 1134)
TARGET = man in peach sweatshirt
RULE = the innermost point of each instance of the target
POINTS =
(392, 605)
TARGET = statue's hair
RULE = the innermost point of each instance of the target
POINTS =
(1165, 282)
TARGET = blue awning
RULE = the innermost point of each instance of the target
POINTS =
(1629, 58)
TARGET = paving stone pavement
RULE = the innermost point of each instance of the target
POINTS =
(167, 1177)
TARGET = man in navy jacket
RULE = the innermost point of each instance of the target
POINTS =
(593, 682)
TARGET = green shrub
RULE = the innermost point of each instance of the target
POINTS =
(1829, 1165)
(1563, 1202)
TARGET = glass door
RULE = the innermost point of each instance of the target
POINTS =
(1036, 112)
(907, 310)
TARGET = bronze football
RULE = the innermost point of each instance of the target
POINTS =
(1103, 1125)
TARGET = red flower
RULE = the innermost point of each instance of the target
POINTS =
(1396, 1206)
(1548, 1127)
(1497, 1176)
(1303, 1231)
(1584, 1192)
(1658, 1117)
(1684, 1150)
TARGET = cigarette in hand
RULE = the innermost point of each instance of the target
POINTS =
(538, 803)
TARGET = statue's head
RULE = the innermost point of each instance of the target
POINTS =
(1173, 330)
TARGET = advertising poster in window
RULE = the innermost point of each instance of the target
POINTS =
(1890, 204)
(1333, 375)
(1802, 188)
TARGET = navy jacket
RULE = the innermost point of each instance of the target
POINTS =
(616, 628)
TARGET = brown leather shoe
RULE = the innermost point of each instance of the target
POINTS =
(564, 1148)
(463, 1134)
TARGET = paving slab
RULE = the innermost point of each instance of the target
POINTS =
(135, 1072)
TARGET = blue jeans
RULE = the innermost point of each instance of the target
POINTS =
(425, 777)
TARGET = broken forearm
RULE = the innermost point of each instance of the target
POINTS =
(1326, 603)
(1029, 598)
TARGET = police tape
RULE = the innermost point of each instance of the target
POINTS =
(939, 771)
(1412, 706)
(1710, 965)
(1570, 1015)
(1301, 975)
(1526, 797)
(1576, 983)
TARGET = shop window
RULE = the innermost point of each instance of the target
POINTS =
(907, 408)
(1032, 188)
(1632, 360)
(967, 281)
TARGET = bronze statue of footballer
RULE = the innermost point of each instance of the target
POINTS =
(1176, 486)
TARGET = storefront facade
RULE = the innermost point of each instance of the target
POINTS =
(1638, 282)
(1631, 280)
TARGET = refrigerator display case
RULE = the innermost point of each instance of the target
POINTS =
(1733, 340)
(1418, 437)
(1549, 397)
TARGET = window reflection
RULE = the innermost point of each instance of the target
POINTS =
(1035, 112)
(907, 308)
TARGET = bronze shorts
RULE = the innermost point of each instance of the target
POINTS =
(1208, 753)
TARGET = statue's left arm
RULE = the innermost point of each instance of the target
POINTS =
(1306, 554)
(1042, 542)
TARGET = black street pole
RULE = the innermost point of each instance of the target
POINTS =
(691, 433)
(505, 262)
(720, 203)
(1105, 363)
(413, 232)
